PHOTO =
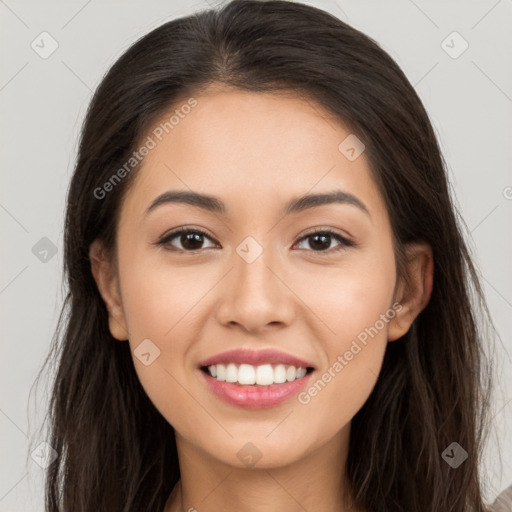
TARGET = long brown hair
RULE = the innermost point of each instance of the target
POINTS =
(116, 452)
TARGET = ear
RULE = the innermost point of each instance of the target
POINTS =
(108, 286)
(413, 293)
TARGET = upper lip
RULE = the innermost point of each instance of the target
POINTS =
(256, 358)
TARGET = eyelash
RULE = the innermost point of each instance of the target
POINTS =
(344, 242)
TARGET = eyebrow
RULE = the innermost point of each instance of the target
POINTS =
(214, 204)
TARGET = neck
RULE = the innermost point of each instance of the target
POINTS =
(316, 481)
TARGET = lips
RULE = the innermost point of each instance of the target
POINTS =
(256, 358)
(255, 397)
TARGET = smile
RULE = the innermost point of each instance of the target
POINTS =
(262, 375)
(255, 379)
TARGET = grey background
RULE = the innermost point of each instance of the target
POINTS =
(43, 101)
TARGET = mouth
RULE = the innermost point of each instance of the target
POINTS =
(255, 379)
(264, 375)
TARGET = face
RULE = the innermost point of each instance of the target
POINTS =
(260, 278)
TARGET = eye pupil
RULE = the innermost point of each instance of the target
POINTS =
(188, 240)
(322, 245)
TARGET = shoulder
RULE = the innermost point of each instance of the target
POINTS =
(503, 503)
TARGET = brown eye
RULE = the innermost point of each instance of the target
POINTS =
(320, 241)
(190, 240)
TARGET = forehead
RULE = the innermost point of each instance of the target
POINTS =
(252, 149)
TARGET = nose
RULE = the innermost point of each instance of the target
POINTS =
(255, 295)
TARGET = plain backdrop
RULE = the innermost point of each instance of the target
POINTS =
(468, 95)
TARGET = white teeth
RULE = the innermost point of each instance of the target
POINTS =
(246, 374)
(301, 372)
(231, 373)
(291, 373)
(263, 375)
(279, 374)
(221, 372)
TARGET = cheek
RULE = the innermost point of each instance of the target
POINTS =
(158, 305)
(161, 305)
(349, 297)
(352, 303)
(159, 299)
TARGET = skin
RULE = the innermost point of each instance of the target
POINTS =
(256, 152)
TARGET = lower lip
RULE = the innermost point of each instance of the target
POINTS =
(255, 397)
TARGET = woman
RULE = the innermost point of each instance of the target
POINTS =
(270, 297)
